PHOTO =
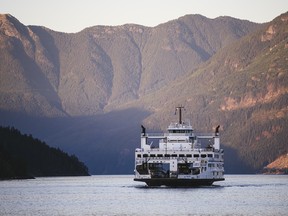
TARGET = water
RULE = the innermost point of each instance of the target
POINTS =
(120, 195)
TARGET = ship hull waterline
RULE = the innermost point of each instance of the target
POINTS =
(170, 182)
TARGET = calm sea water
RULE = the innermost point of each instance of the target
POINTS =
(120, 195)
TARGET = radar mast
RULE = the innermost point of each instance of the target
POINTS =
(179, 108)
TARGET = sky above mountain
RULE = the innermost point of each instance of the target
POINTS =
(75, 15)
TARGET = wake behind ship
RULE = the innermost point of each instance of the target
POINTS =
(181, 157)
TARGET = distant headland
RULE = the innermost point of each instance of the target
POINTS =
(23, 157)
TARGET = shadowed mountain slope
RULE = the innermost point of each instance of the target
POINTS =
(49, 73)
(243, 87)
(88, 92)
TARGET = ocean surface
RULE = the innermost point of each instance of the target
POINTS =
(120, 195)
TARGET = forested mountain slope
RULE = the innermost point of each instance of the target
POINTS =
(89, 92)
(244, 88)
(49, 73)
(22, 156)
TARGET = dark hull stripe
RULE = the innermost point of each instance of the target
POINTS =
(178, 182)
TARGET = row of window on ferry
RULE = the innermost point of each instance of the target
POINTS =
(178, 155)
(180, 131)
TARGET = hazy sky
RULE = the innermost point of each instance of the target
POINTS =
(75, 15)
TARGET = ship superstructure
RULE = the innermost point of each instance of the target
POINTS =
(180, 157)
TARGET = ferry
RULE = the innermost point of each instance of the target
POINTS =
(179, 158)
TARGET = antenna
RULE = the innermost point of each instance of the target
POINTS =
(180, 113)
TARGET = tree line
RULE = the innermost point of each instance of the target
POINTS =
(22, 156)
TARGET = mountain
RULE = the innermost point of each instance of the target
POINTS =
(102, 67)
(22, 156)
(88, 92)
(243, 87)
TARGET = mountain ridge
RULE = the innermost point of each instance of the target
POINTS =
(261, 80)
(225, 71)
(104, 68)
